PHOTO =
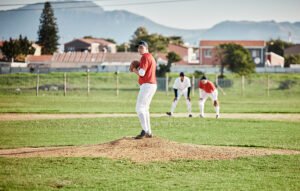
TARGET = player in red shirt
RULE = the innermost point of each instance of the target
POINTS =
(208, 89)
(148, 86)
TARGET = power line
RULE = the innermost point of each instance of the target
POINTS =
(96, 6)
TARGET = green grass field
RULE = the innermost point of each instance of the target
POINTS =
(276, 172)
(103, 99)
(249, 173)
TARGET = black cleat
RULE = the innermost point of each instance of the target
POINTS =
(169, 114)
(148, 135)
(190, 115)
(142, 135)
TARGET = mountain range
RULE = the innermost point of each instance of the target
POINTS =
(89, 19)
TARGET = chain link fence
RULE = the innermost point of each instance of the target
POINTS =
(82, 84)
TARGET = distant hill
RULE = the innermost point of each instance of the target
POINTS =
(120, 25)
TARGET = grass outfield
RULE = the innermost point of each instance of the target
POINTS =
(250, 173)
(229, 132)
(107, 102)
(103, 99)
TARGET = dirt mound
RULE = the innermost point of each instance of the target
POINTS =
(144, 150)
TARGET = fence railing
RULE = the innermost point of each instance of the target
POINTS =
(90, 83)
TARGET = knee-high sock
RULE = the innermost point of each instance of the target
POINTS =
(201, 105)
(148, 123)
(143, 121)
(189, 106)
(174, 104)
(217, 109)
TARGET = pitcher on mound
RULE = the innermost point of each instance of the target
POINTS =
(148, 85)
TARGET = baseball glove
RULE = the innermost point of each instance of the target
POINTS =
(134, 64)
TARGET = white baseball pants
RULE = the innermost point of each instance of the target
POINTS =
(144, 98)
(204, 96)
(188, 103)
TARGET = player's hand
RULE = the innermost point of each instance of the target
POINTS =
(175, 98)
(200, 98)
(215, 103)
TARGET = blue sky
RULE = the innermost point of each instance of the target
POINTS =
(197, 14)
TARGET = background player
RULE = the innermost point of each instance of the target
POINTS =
(208, 89)
(182, 86)
(148, 86)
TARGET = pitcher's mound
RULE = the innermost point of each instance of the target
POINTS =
(144, 150)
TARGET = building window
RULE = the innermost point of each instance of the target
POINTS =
(207, 53)
(255, 53)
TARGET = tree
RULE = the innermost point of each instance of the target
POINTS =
(236, 58)
(176, 40)
(48, 30)
(163, 69)
(17, 49)
(292, 59)
(139, 34)
(157, 43)
(277, 46)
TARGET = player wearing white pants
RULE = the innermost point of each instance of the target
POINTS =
(148, 86)
(182, 87)
(208, 89)
(144, 98)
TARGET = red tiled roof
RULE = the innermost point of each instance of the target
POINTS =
(258, 43)
(42, 58)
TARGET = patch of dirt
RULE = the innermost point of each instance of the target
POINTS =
(145, 150)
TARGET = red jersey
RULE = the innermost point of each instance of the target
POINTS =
(209, 87)
(148, 64)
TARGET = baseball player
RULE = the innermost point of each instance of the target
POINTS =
(208, 89)
(148, 86)
(182, 86)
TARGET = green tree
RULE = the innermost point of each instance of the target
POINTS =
(277, 46)
(139, 34)
(17, 49)
(236, 58)
(157, 43)
(176, 40)
(163, 69)
(292, 59)
(48, 30)
(10, 49)
(124, 47)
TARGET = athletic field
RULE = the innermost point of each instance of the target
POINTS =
(84, 142)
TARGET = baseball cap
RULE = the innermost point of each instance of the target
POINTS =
(181, 74)
(142, 43)
(203, 78)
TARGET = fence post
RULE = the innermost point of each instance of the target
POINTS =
(37, 83)
(65, 84)
(167, 83)
(268, 85)
(243, 85)
(117, 83)
(88, 81)
(193, 85)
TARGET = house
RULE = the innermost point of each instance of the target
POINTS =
(293, 50)
(208, 54)
(187, 54)
(92, 45)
